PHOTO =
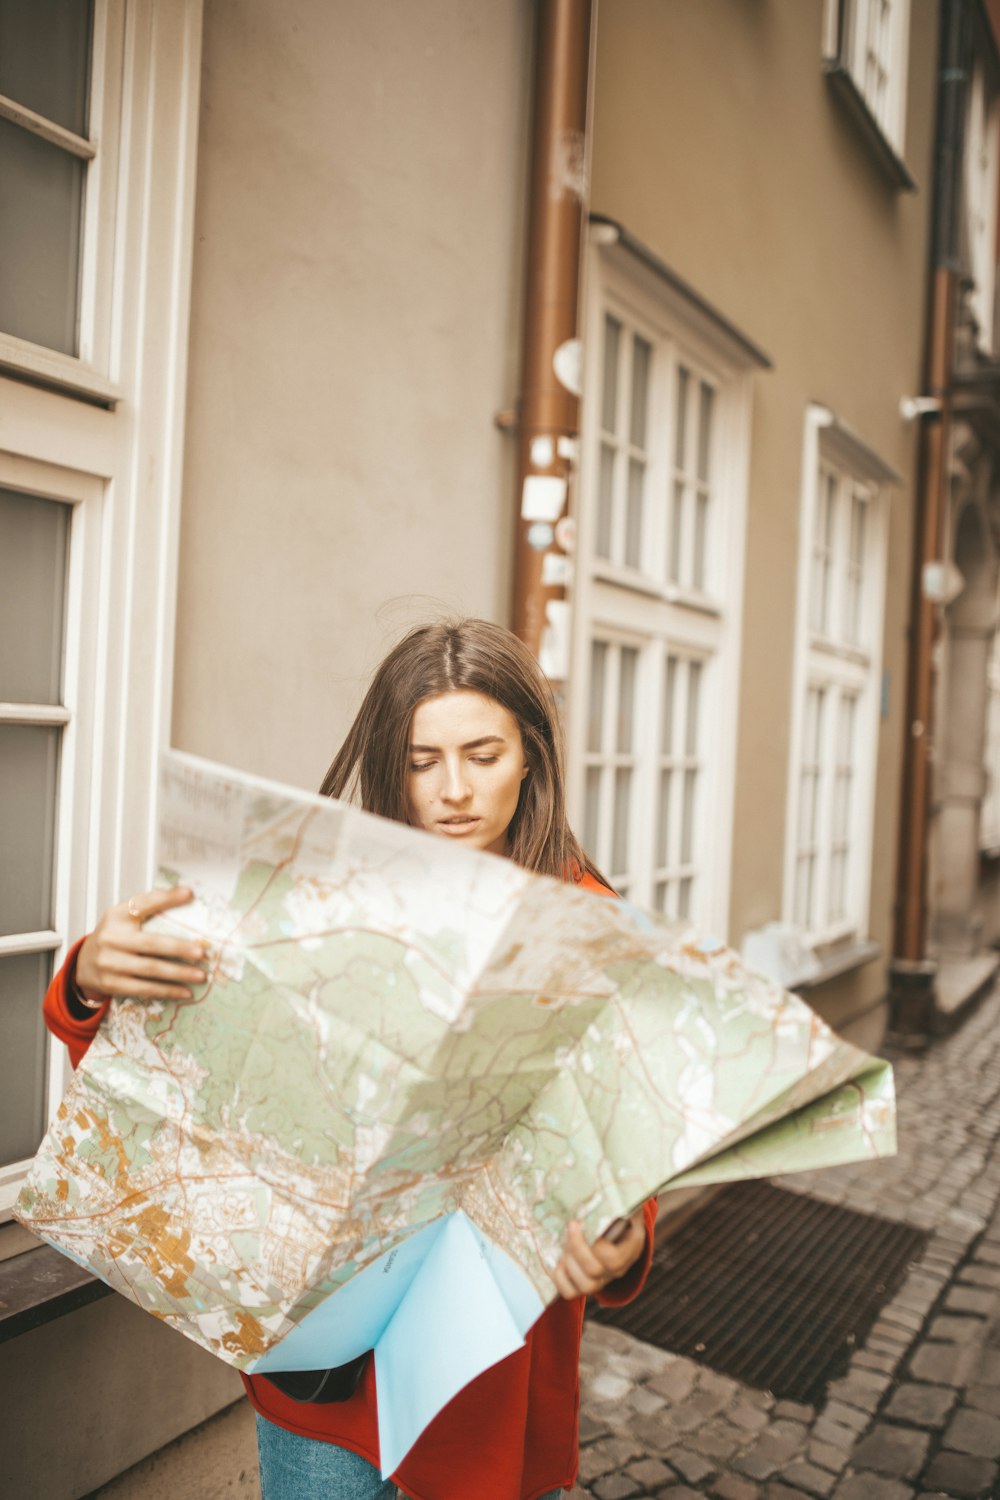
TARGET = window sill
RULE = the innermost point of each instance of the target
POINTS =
(843, 960)
(640, 583)
(892, 166)
(52, 371)
(839, 649)
(39, 1285)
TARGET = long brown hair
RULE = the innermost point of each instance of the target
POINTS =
(473, 656)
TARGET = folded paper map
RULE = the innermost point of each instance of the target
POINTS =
(411, 1065)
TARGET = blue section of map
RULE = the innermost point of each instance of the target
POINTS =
(438, 1309)
(354, 1319)
(455, 1323)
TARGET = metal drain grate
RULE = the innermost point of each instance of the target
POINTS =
(771, 1287)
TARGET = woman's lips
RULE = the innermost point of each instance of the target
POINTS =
(456, 826)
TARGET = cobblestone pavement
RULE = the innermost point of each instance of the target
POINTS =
(917, 1415)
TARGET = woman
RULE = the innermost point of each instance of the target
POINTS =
(458, 734)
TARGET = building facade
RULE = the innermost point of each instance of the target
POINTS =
(259, 313)
(259, 306)
(762, 180)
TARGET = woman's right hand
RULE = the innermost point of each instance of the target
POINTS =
(120, 958)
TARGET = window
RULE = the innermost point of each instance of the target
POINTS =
(665, 543)
(33, 557)
(44, 143)
(679, 792)
(666, 873)
(981, 167)
(838, 677)
(989, 820)
(60, 105)
(656, 609)
(89, 498)
(42, 552)
(865, 48)
(611, 755)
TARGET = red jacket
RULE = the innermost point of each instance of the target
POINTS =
(509, 1435)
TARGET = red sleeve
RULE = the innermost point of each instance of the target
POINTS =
(77, 1034)
(617, 1293)
(588, 882)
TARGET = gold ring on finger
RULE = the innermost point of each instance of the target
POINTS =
(133, 910)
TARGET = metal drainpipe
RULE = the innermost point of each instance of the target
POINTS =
(912, 973)
(549, 415)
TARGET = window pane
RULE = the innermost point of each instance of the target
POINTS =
(640, 391)
(694, 693)
(41, 200)
(705, 431)
(33, 538)
(700, 537)
(23, 981)
(687, 816)
(845, 747)
(680, 436)
(626, 698)
(807, 821)
(623, 800)
(830, 514)
(684, 897)
(592, 809)
(669, 687)
(609, 395)
(838, 871)
(676, 524)
(605, 500)
(855, 571)
(28, 762)
(45, 57)
(989, 827)
(820, 589)
(663, 820)
(859, 509)
(852, 611)
(598, 668)
(826, 500)
(810, 776)
(633, 513)
(816, 716)
(803, 891)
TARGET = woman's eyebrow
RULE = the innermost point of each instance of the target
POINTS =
(487, 739)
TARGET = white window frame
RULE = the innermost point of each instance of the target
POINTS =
(609, 758)
(120, 470)
(845, 45)
(982, 163)
(989, 819)
(83, 493)
(90, 372)
(839, 668)
(638, 606)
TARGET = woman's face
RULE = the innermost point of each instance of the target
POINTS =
(466, 766)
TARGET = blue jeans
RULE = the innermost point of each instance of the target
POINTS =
(301, 1468)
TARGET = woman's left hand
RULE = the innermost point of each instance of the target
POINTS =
(584, 1269)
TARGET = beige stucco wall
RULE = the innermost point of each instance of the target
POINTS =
(355, 327)
(88, 1395)
(719, 143)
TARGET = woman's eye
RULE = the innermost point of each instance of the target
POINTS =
(485, 760)
(421, 765)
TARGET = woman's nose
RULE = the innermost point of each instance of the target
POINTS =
(456, 784)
